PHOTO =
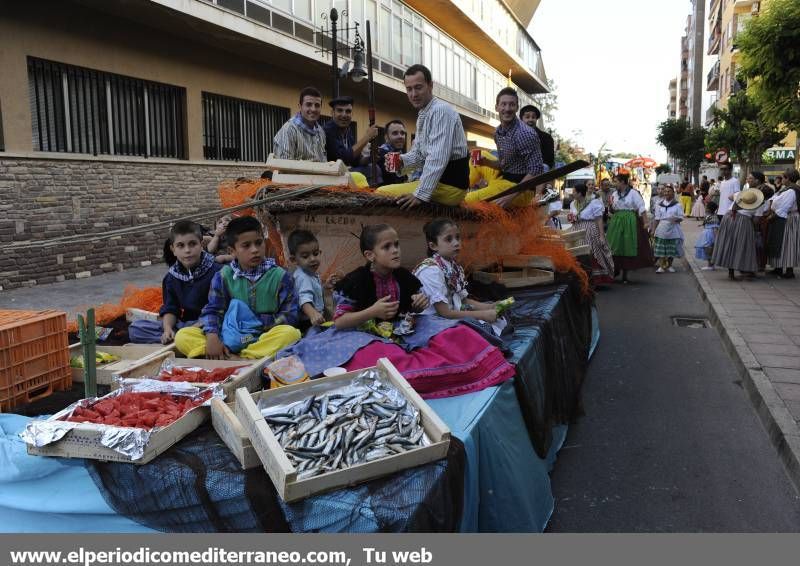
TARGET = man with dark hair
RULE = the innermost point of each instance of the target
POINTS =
(395, 135)
(440, 148)
(302, 138)
(530, 115)
(340, 142)
(519, 152)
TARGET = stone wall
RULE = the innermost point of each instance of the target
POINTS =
(47, 198)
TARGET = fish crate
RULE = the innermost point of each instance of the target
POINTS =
(129, 356)
(248, 377)
(33, 356)
(283, 473)
(233, 434)
(85, 440)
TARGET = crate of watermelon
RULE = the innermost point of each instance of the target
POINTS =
(132, 424)
(230, 374)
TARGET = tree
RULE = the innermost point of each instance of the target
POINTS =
(684, 142)
(770, 62)
(548, 103)
(663, 168)
(742, 130)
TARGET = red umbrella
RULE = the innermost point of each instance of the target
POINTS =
(635, 162)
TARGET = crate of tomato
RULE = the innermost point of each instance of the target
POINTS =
(132, 424)
(229, 374)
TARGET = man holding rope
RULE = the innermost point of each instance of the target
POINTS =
(440, 148)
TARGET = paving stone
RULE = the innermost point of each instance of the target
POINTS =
(773, 361)
(777, 349)
(783, 375)
(758, 338)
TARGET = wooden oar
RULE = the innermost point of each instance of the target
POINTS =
(551, 175)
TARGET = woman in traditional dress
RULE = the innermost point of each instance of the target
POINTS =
(783, 241)
(735, 248)
(667, 232)
(686, 190)
(627, 237)
(699, 208)
(586, 213)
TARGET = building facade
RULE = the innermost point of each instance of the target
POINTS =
(696, 46)
(127, 113)
(726, 19)
(672, 109)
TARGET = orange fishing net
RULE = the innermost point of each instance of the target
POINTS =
(517, 231)
(145, 298)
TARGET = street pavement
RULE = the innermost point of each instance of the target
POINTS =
(670, 441)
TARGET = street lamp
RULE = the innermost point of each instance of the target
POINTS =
(358, 73)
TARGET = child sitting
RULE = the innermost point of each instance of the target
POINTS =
(216, 243)
(184, 288)
(443, 279)
(381, 289)
(304, 252)
(704, 246)
(251, 305)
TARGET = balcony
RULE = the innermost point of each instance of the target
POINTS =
(710, 113)
(713, 78)
(713, 43)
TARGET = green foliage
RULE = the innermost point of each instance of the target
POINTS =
(548, 103)
(742, 130)
(770, 62)
(684, 142)
(663, 168)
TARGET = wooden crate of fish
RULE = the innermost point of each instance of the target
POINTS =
(249, 376)
(126, 356)
(342, 430)
(232, 433)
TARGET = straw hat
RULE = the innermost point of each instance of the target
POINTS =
(750, 199)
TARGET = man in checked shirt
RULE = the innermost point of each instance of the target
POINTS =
(520, 154)
(440, 148)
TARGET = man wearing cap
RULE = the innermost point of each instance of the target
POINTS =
(301, 138)
(439, 150)
(340, 141)
(530, 115)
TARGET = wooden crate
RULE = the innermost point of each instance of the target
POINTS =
(84, 441)
(311, 167)
(306, 179)
(522, 260)
(129, 354)
(248, 377)
(282, 472)
(526, 277)
(232, 433)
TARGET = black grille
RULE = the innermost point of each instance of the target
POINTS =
(79, 110)
(239, 130)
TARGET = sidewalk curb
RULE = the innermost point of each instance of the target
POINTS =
(783, 430)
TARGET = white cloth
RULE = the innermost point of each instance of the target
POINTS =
(593, 210)
(435, 288)
(784, 203)
(727, 189)
(632, 201)
(668, 228)
(439, 140)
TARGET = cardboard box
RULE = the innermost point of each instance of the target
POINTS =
(248, 377)
(282, 472)
(232, 433)
(83, 441)
(129, 354)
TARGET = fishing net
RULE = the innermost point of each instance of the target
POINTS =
(145, 298)
(199, 486)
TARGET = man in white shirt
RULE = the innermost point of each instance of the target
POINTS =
(729, 187)
(439, 150)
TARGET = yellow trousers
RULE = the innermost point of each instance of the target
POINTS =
(442, 194)
(496, 187)
(191, 342)
(359, 180)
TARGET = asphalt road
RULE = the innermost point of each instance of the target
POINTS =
(670, 441)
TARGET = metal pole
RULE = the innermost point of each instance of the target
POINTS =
(373, 172)
(334, 16)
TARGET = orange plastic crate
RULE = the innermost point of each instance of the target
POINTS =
(34, 356)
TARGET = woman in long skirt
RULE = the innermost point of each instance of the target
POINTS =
(783, 241)
(668, 233)
(586, 213)
(735, 248)
(627, 237)
(699, 208)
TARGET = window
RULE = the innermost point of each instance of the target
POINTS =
(78, 110)
(239, 130)
(409, 58)
(397, 38)
(384, 33)
(302, 9)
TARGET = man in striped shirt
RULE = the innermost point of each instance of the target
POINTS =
(302, 138)
(440, 148)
